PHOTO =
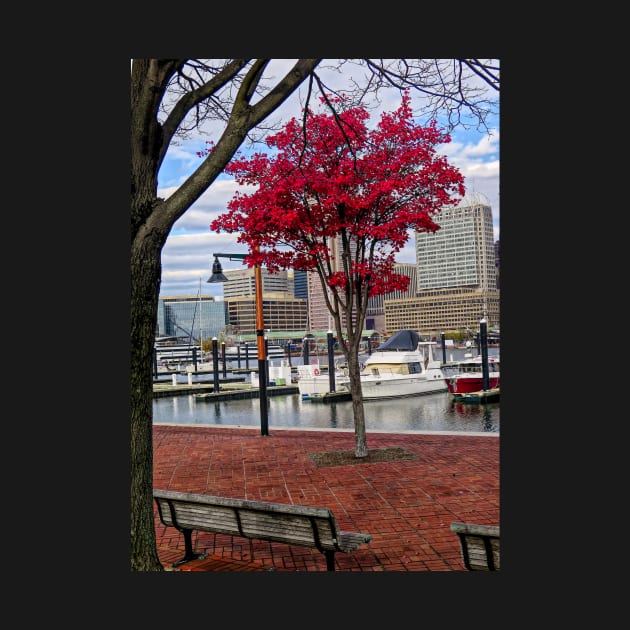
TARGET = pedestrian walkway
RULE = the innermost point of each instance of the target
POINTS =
(406, 503)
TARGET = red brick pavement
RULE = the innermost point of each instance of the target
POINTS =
(406, 505)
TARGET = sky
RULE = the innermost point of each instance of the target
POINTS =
(187, 255)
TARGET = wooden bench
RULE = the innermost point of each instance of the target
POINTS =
(275, 522)
(479, 545)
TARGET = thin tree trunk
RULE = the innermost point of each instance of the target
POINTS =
(360, 437)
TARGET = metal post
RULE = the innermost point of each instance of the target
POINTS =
(223, 359)
(215, 363)
(483, 342)
(443, 341)
(305, 346)
(331, 361)
(262, 357)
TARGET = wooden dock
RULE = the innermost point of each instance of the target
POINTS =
(483, 396)
(234, 392)
(329, 397)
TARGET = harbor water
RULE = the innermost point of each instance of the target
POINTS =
(430, 412)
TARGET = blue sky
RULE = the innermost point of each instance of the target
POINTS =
(187, 255)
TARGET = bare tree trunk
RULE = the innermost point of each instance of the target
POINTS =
(147, 240)
(145, 285)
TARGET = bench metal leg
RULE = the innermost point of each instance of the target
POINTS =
(190, 554)
(330, 560)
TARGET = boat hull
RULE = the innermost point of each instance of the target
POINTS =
(378, 388)
(313, 385)
(312, 381)
(469, 383)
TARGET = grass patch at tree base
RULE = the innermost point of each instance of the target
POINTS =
(347, 458)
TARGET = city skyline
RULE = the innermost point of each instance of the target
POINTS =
(187, 255)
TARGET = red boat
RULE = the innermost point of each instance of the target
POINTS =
(466, 376)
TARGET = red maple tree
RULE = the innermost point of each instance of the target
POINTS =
(332, 179)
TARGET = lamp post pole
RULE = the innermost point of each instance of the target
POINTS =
(262, 355)
(217, 276)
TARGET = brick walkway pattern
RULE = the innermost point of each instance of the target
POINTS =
(406, 505)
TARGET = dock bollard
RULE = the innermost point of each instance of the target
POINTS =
(174, 379)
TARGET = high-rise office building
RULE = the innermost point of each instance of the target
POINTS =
(460, 253)
(281, 309)
(318, 313)
(300, 284)
(319, 317)
(497, 261)
(456, 275)
(243, 282)
(281, 312)
(375, 315)
(190, 316)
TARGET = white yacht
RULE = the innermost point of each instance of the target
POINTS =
(402, 366)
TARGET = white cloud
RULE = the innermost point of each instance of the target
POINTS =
(187, 254)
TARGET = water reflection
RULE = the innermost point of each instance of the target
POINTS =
(433, 412)
(333, 416)
(487, 420)
(217, 411)
(481, 413)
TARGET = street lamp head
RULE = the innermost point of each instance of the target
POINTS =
(217, 272)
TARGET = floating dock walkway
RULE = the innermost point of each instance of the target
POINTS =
(483, 396)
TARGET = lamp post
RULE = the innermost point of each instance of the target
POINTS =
(217, 276)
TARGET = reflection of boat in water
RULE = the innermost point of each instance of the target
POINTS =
(402, 366)
(466, 376)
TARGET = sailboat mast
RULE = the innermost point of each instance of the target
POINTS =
(200, 321)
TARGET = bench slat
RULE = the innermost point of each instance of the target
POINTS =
(251, 524)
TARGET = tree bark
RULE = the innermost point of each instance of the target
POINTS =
(147, 240)
(360, 436)
(151, 221)
(145, 273)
